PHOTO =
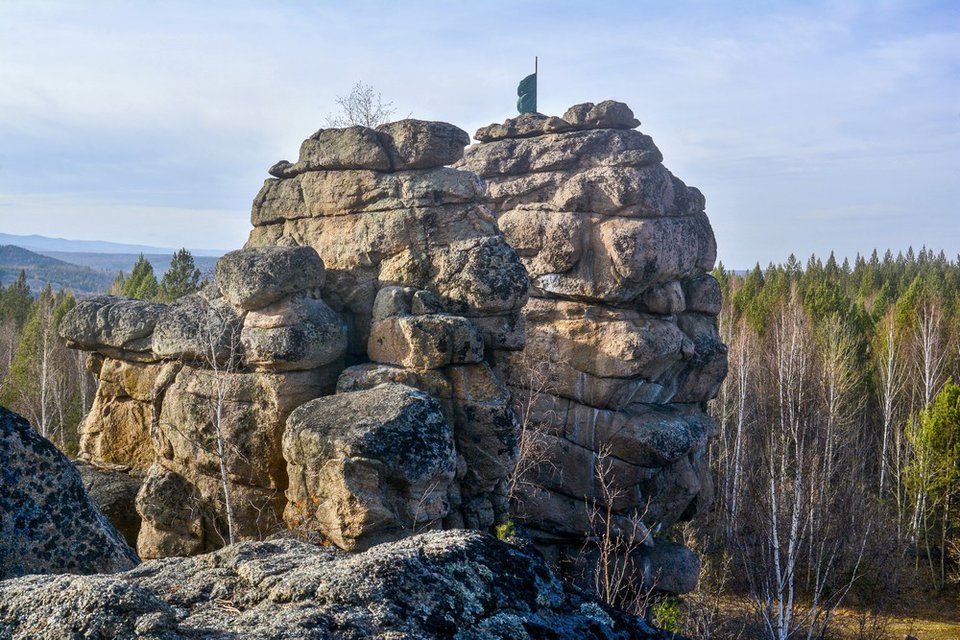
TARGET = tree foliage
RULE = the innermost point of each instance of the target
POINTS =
(16, 301)
(141, 283)
(43, 380)
(181, 278)
(838, 460)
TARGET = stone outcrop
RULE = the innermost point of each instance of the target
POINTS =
(622, 348)
(48, 524)
(381, 209)
(240, 355)
(431, 294)
(435, 585)
(370, 263)
(369, 350)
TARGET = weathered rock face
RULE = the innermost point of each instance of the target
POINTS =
(111, 323)
(622, 347)
(114, 490)
(48, 524)
(380, 464)
(381, 209)
(367, 351)
(423, 291)
(254, 279)
(240, 355)
(431, 293)
(435, 585)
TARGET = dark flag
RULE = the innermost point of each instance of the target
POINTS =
(527, 90)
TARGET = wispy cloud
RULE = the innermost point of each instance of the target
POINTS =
(122, 114)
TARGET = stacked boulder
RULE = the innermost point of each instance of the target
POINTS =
(356, 369)
(373, 272)
(196, 393)
(421, 433)
(622, 349)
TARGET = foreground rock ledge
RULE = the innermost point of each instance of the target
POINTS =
(48, 523)
(450, 584)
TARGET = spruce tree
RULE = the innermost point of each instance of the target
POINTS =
(182, 278)
(142, 283)
(116, 289)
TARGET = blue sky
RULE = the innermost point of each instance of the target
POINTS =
(810, 126)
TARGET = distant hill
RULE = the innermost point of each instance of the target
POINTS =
(42, 270)
(113, 262)
(44, 244)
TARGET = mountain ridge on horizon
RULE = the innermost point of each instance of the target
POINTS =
(42, 270)
(36, 242)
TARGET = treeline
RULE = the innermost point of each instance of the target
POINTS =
(39, 377)
(838, 460)
(181, 278)
(43, 380)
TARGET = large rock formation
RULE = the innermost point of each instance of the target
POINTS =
(356, 368)
(210, 378)
(622, 346)
(381, 209)
(430, 292)
(422, 291)
(48, 524)
(436, 585)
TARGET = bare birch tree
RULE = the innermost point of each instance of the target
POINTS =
(805, 540)
(733, 408)
(221, 340)
(931, 351)
(533, 450)
(890, 370)
(619, 576)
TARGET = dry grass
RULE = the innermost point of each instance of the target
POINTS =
(936, 619)
(943, 624)
(924, 629)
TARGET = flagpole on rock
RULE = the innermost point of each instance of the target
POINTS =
(527, 91)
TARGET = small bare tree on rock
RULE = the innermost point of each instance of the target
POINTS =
(361, 107)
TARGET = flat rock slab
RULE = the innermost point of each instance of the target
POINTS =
(111, 323)
(435, 585)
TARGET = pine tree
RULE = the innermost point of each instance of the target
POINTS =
(17, 301)
(141, 283)
(182, 278)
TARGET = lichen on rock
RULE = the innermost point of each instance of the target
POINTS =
(48, 523)
(435, 585)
